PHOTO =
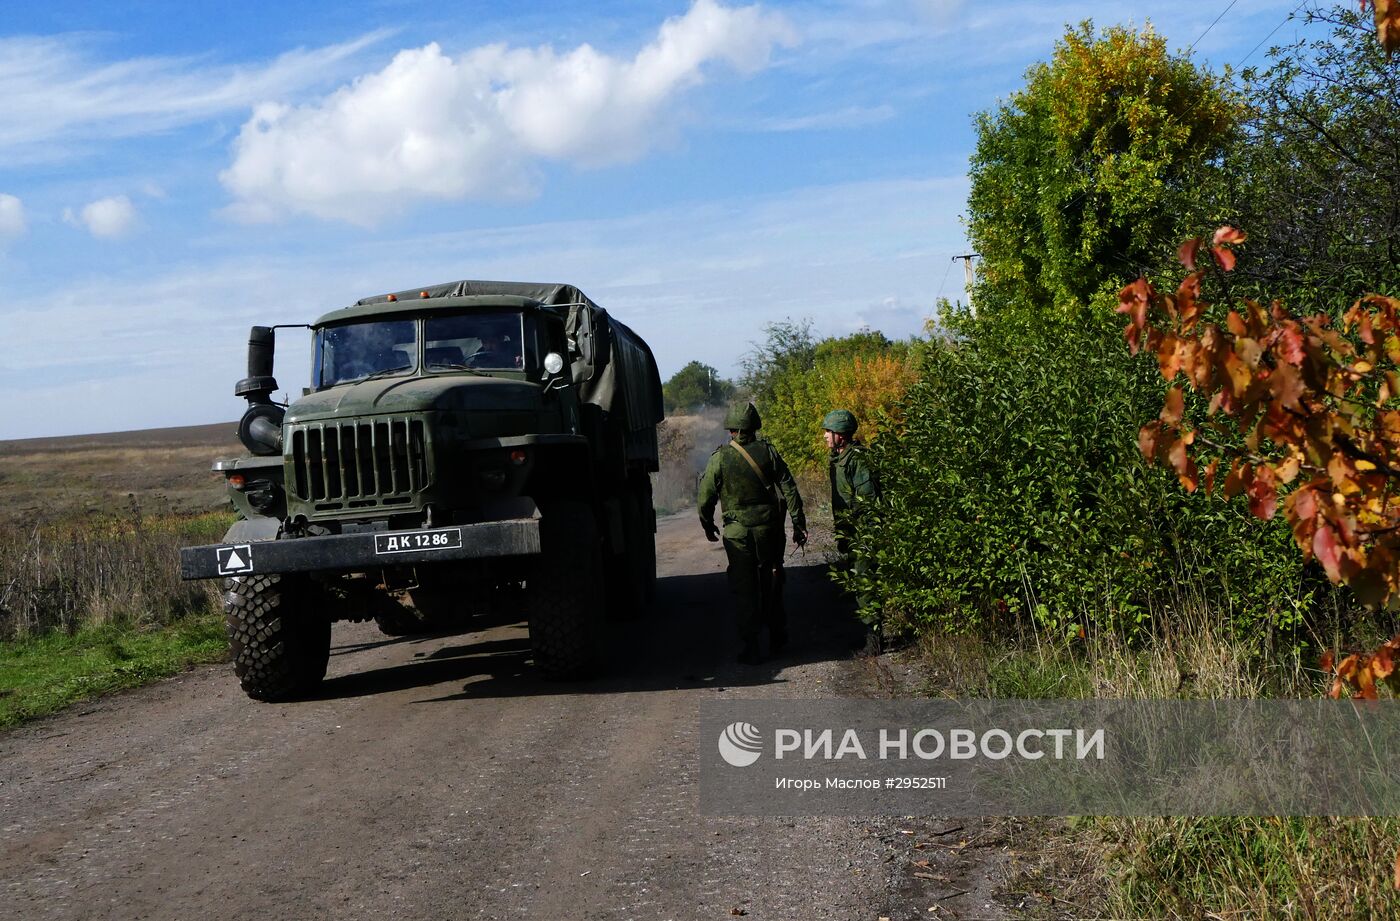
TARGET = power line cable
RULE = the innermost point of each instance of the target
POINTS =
(1211, 26)
(1286, 20)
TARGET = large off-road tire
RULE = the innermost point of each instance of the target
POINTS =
(563, 594)
(647, 557)
(632, 573)
(279, 638)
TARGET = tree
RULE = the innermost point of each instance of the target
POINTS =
(1316, 175)
(1078, 182)
(696, 385)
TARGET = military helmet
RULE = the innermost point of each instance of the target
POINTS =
(743, 417)
(840, 421)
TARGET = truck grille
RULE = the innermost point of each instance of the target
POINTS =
(362, 464)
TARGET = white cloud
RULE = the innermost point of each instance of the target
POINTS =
(12, 221)
(429, 126)
(107, 217)
(58, 92)
(836, 119)
(697, 281)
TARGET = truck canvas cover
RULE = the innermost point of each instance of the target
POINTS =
(624, 378)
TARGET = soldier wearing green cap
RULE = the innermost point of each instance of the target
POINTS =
(853, 486)
(748, 478)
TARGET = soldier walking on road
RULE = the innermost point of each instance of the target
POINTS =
(853, 486)
(749, 479)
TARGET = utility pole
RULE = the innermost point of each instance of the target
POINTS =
(969, 275)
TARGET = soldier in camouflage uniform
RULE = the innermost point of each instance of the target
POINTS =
(852, 486)
(749, 479)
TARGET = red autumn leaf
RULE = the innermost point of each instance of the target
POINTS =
(1387, 14)
(1210, 475)
(1173, 407)
(1235, 479)
(1305, 504)
(1147, 440)
(1329, 555)
(1263, 493)
(1228, 234)
(1289, 345)
(1286, 385)
(1325, 663)
(1133, 300)
(1366, 682)
(1187, 253)
(1382, 662)
(1169, 355)
(1224, 258)
(1182, 463)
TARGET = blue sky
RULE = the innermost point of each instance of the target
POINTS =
(172, 173)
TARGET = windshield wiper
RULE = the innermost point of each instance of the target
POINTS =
(383, 372)
(455, 366)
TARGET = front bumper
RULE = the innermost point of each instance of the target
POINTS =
(361, 551)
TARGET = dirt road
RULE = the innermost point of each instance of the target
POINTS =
(438, 778)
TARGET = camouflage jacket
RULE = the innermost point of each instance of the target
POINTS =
(731, 482)
(852, 484)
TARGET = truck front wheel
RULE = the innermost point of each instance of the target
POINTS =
(280, 642)
(563, 593)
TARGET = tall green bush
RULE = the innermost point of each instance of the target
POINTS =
(797, 379)
(1016, 494)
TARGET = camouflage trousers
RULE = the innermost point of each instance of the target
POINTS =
(866, 607)
(756, 577)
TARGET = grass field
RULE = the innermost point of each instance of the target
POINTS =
(90, 531)
(160, 470)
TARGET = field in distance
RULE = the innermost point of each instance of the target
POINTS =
(161, 470)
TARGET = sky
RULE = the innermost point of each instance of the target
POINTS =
(172, 173)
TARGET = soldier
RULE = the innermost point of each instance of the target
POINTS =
(852, 485)
(748, 477)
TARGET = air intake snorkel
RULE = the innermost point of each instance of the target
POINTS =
(260, 429)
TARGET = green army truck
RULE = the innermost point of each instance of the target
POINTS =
(459, 444)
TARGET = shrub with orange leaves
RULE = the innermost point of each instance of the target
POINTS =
(1316, 402)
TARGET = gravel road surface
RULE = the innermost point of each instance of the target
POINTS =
(439, 778)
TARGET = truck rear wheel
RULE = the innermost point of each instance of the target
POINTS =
(562, 594)
(279, 641)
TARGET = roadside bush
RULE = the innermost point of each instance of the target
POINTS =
(796, 380)
(1016, 492)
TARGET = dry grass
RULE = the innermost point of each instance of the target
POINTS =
(91, 526)
(47, 479)
(1202, 867)
(68, 574)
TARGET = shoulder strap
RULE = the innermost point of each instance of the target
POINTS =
(752, 463)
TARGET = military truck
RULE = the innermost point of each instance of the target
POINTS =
(460, 445)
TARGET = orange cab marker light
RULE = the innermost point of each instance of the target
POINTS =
(422, 294)
(392, 297)
(236, 480)
(517, 457)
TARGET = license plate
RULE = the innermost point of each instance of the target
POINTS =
(418, 541)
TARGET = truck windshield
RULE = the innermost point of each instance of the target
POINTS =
(356, 351)
(490, 340)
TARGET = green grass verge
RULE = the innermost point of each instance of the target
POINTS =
(43, 674)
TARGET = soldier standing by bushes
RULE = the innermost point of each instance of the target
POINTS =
(749, 479)
(852, 486)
